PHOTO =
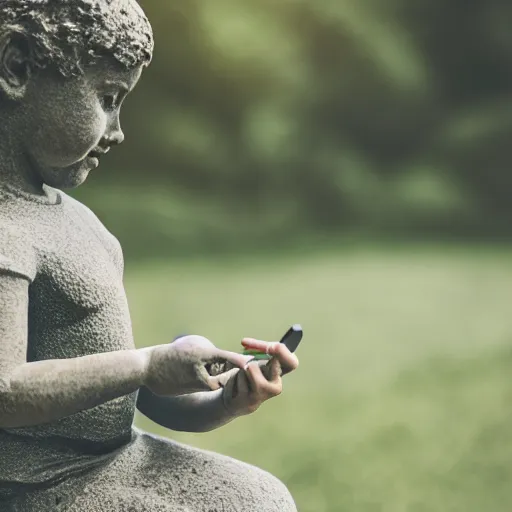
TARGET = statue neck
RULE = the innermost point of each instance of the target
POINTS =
(16, 171)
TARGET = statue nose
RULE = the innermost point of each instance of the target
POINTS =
(115, 137)
(118, 138)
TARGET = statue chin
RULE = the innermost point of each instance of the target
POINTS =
(70, 177)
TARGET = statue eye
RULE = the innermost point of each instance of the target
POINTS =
(109, 102)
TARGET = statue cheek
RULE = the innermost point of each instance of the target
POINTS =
(86, 130)
(71, 140)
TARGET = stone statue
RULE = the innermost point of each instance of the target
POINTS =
(70, 376)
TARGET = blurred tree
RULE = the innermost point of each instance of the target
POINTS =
(323, 112)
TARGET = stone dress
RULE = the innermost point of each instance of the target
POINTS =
(96, 460)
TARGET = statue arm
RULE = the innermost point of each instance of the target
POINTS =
(195, 412)
(242, 392)
(45, 391)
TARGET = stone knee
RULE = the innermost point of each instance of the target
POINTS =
(242, 487)
(200, 481)
(269, 492)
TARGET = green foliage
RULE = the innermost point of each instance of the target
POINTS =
(329, 109)
(402, 398)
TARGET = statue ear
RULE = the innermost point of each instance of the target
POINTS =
(14, 65)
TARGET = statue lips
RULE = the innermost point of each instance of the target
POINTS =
(94, 156)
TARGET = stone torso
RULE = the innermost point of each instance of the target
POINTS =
(77, 306)
(77, 302)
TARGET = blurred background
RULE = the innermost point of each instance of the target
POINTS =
(344, 165)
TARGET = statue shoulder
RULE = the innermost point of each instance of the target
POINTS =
(17, 253)
(110, 242)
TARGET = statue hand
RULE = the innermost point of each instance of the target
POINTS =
(248, 388)
(180, 367)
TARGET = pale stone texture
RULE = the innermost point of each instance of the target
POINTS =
(63, 305)
(94, 460)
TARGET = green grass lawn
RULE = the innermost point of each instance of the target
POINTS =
(403, 401)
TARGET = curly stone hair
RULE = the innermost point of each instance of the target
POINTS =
(71, 34)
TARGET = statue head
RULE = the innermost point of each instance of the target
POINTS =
(65, 69)
(69, 35)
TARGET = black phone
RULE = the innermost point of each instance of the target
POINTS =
(292, 337)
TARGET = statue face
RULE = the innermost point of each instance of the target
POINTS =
(71, 122)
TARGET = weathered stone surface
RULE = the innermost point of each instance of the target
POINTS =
(62, 300)
(156, 475)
